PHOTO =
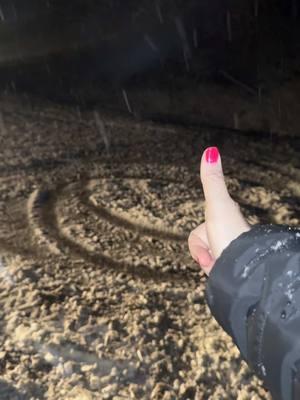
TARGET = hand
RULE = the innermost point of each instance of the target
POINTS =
(224, 221)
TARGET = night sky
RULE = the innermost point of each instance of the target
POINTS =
(64, 44)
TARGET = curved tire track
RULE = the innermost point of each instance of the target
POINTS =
(47, 229)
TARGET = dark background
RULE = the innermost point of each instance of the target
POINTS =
(88, 52)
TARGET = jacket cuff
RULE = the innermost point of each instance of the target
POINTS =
(236, 282)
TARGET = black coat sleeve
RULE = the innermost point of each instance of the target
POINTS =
(253, 292)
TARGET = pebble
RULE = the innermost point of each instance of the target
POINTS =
(197, 307)
(79, 393)
(50, 358)
(114, 372)
(95, 382)
(176, 384)
(110, 337)
(106, 379)
(68, 368)
(88, 367)
(109, 391)
(162, 390)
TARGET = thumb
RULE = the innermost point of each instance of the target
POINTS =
(214, 187)
(224, 221)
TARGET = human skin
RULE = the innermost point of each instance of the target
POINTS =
(224, 221)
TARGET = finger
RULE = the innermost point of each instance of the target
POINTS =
(200, 233)
(212, 178)
(199, 248)
(209, 266)
(224, 221)
(201, 255)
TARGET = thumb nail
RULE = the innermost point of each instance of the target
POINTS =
(212, 155)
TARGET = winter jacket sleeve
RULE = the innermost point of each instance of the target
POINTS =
(253, 292)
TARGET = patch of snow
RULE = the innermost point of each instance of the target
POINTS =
(246, 271)
(289, 294)
(278, 245)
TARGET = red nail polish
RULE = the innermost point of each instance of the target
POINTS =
(212, 155)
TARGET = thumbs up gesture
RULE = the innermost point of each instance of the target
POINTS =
(224, 221)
